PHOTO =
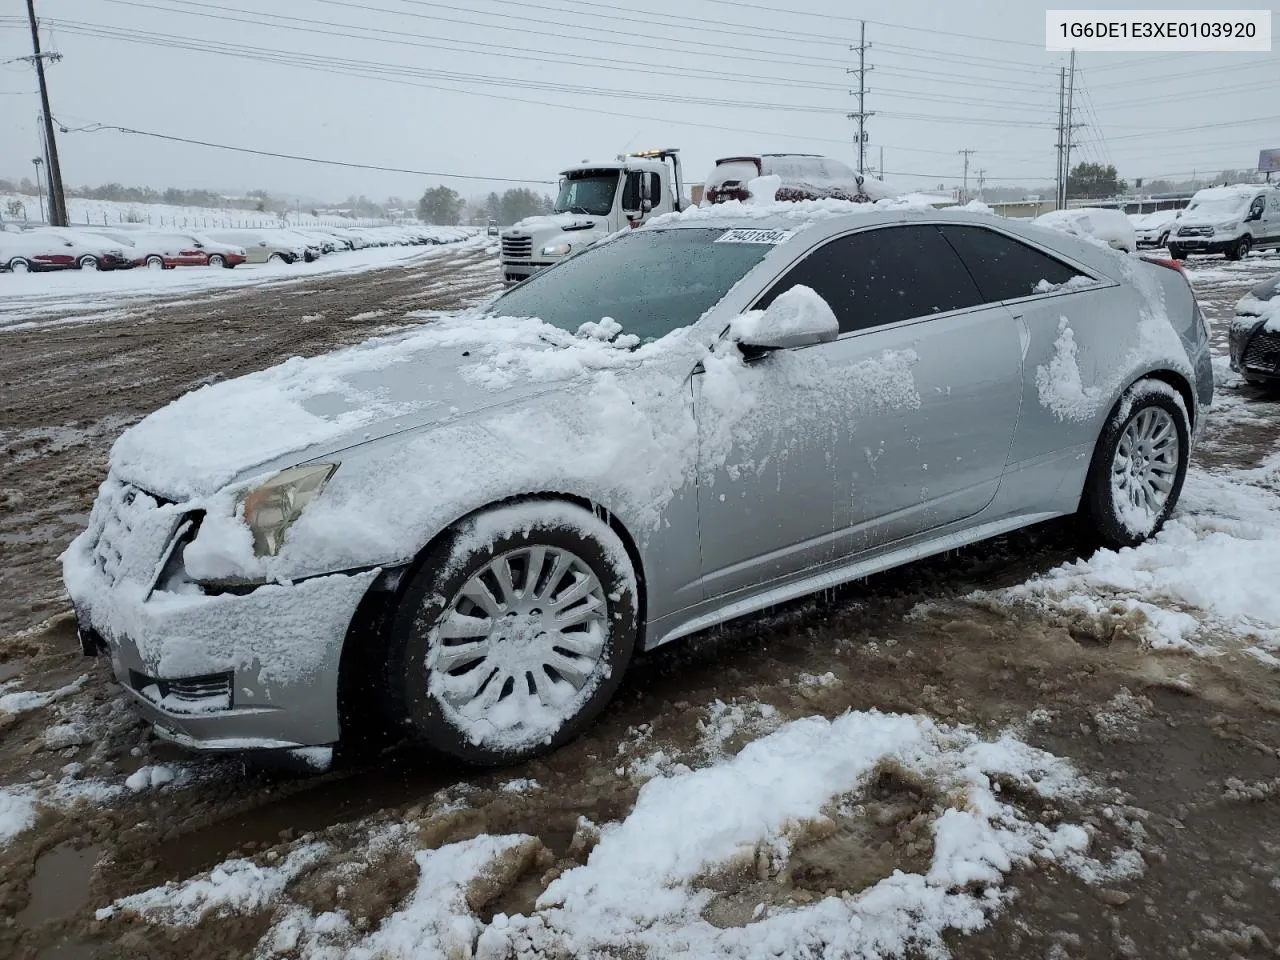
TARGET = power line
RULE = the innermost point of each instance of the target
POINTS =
(99, 127)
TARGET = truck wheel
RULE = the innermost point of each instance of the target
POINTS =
(1176, 252)
(513, 634)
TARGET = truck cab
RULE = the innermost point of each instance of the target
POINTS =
(593, 201)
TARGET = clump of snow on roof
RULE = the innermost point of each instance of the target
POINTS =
(800, 310)
(1059, 383)
(1103, 226)
(234, 886)
(764, 189)
(800, 211)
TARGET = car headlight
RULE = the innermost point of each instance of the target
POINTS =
(271, 508)
(1229, 227)
(555, 250)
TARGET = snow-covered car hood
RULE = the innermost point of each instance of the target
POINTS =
(304, 409)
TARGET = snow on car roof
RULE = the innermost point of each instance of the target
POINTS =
(792, 214)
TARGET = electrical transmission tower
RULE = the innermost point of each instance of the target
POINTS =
(1066, 128)
(861, 93)
(57, 200)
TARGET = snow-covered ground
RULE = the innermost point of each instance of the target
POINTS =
(700, 855)
(110, 213)
(78, 296)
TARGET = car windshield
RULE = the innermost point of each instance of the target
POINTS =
(650, 281)
(1223, 207)
(593, 195)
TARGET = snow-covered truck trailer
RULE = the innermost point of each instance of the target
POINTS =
(800, 176)
(594, 200)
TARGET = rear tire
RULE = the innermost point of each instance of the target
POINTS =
(1138, 467)
(19, 265)
(507, 683)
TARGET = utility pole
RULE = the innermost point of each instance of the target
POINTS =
(57, 200)
(982, 179)
(964, 194)
(882, 164)
(1062, 115)
(861, 94)
(39, 187)
(1069, 128)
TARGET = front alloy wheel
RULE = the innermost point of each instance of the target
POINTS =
(508, 645)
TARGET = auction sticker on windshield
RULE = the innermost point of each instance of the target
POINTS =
(742, 235)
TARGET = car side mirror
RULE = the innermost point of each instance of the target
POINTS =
(797, 318)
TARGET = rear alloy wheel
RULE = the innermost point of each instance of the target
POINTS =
(217, 260)
(88, 262)
(19, 265)
(1139, 465)
(275, 258)
(155, 263)
(512, 636)
(1240, 250)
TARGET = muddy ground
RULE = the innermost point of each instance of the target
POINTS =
(1190, 746)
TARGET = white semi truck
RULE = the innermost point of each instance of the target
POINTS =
(594, 200)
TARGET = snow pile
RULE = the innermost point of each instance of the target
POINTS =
(640, 889)
(17, 813)
(235, 886)
(764, 189)
(799, 211)
(20, 701)
(1207, 577)
(1078, 282)
(1059, 383)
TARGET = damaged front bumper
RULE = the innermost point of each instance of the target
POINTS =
(251, 669)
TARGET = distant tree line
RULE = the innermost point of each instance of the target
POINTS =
(446, 207)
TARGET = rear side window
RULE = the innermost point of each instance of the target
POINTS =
(882, 276)
(1004, 268)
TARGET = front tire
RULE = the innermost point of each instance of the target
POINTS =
(155, 262)
(1138, 468)
(1240, 250)
(275, 258)
(1176, 252)
(513, 633)
(217, 260)
(88, 262)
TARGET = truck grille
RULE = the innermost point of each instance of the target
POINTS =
(521, 247)
(1196, 232)
(1262, 352)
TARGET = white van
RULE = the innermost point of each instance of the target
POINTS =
(1230, 220)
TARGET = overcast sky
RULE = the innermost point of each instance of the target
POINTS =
(520, 88)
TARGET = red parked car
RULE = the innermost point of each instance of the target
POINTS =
(169, 250)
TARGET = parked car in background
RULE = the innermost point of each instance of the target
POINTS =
(263, 246)
(357, 240)
(169, 250)
(1230, 220)
(480, 521)
(1153, 229)
(1254, 339)
(492, 228)
(92, 252)
(30, 252)
(1109, 226)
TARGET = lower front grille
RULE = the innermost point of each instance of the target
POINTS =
(203, 694)
(1263, 351)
